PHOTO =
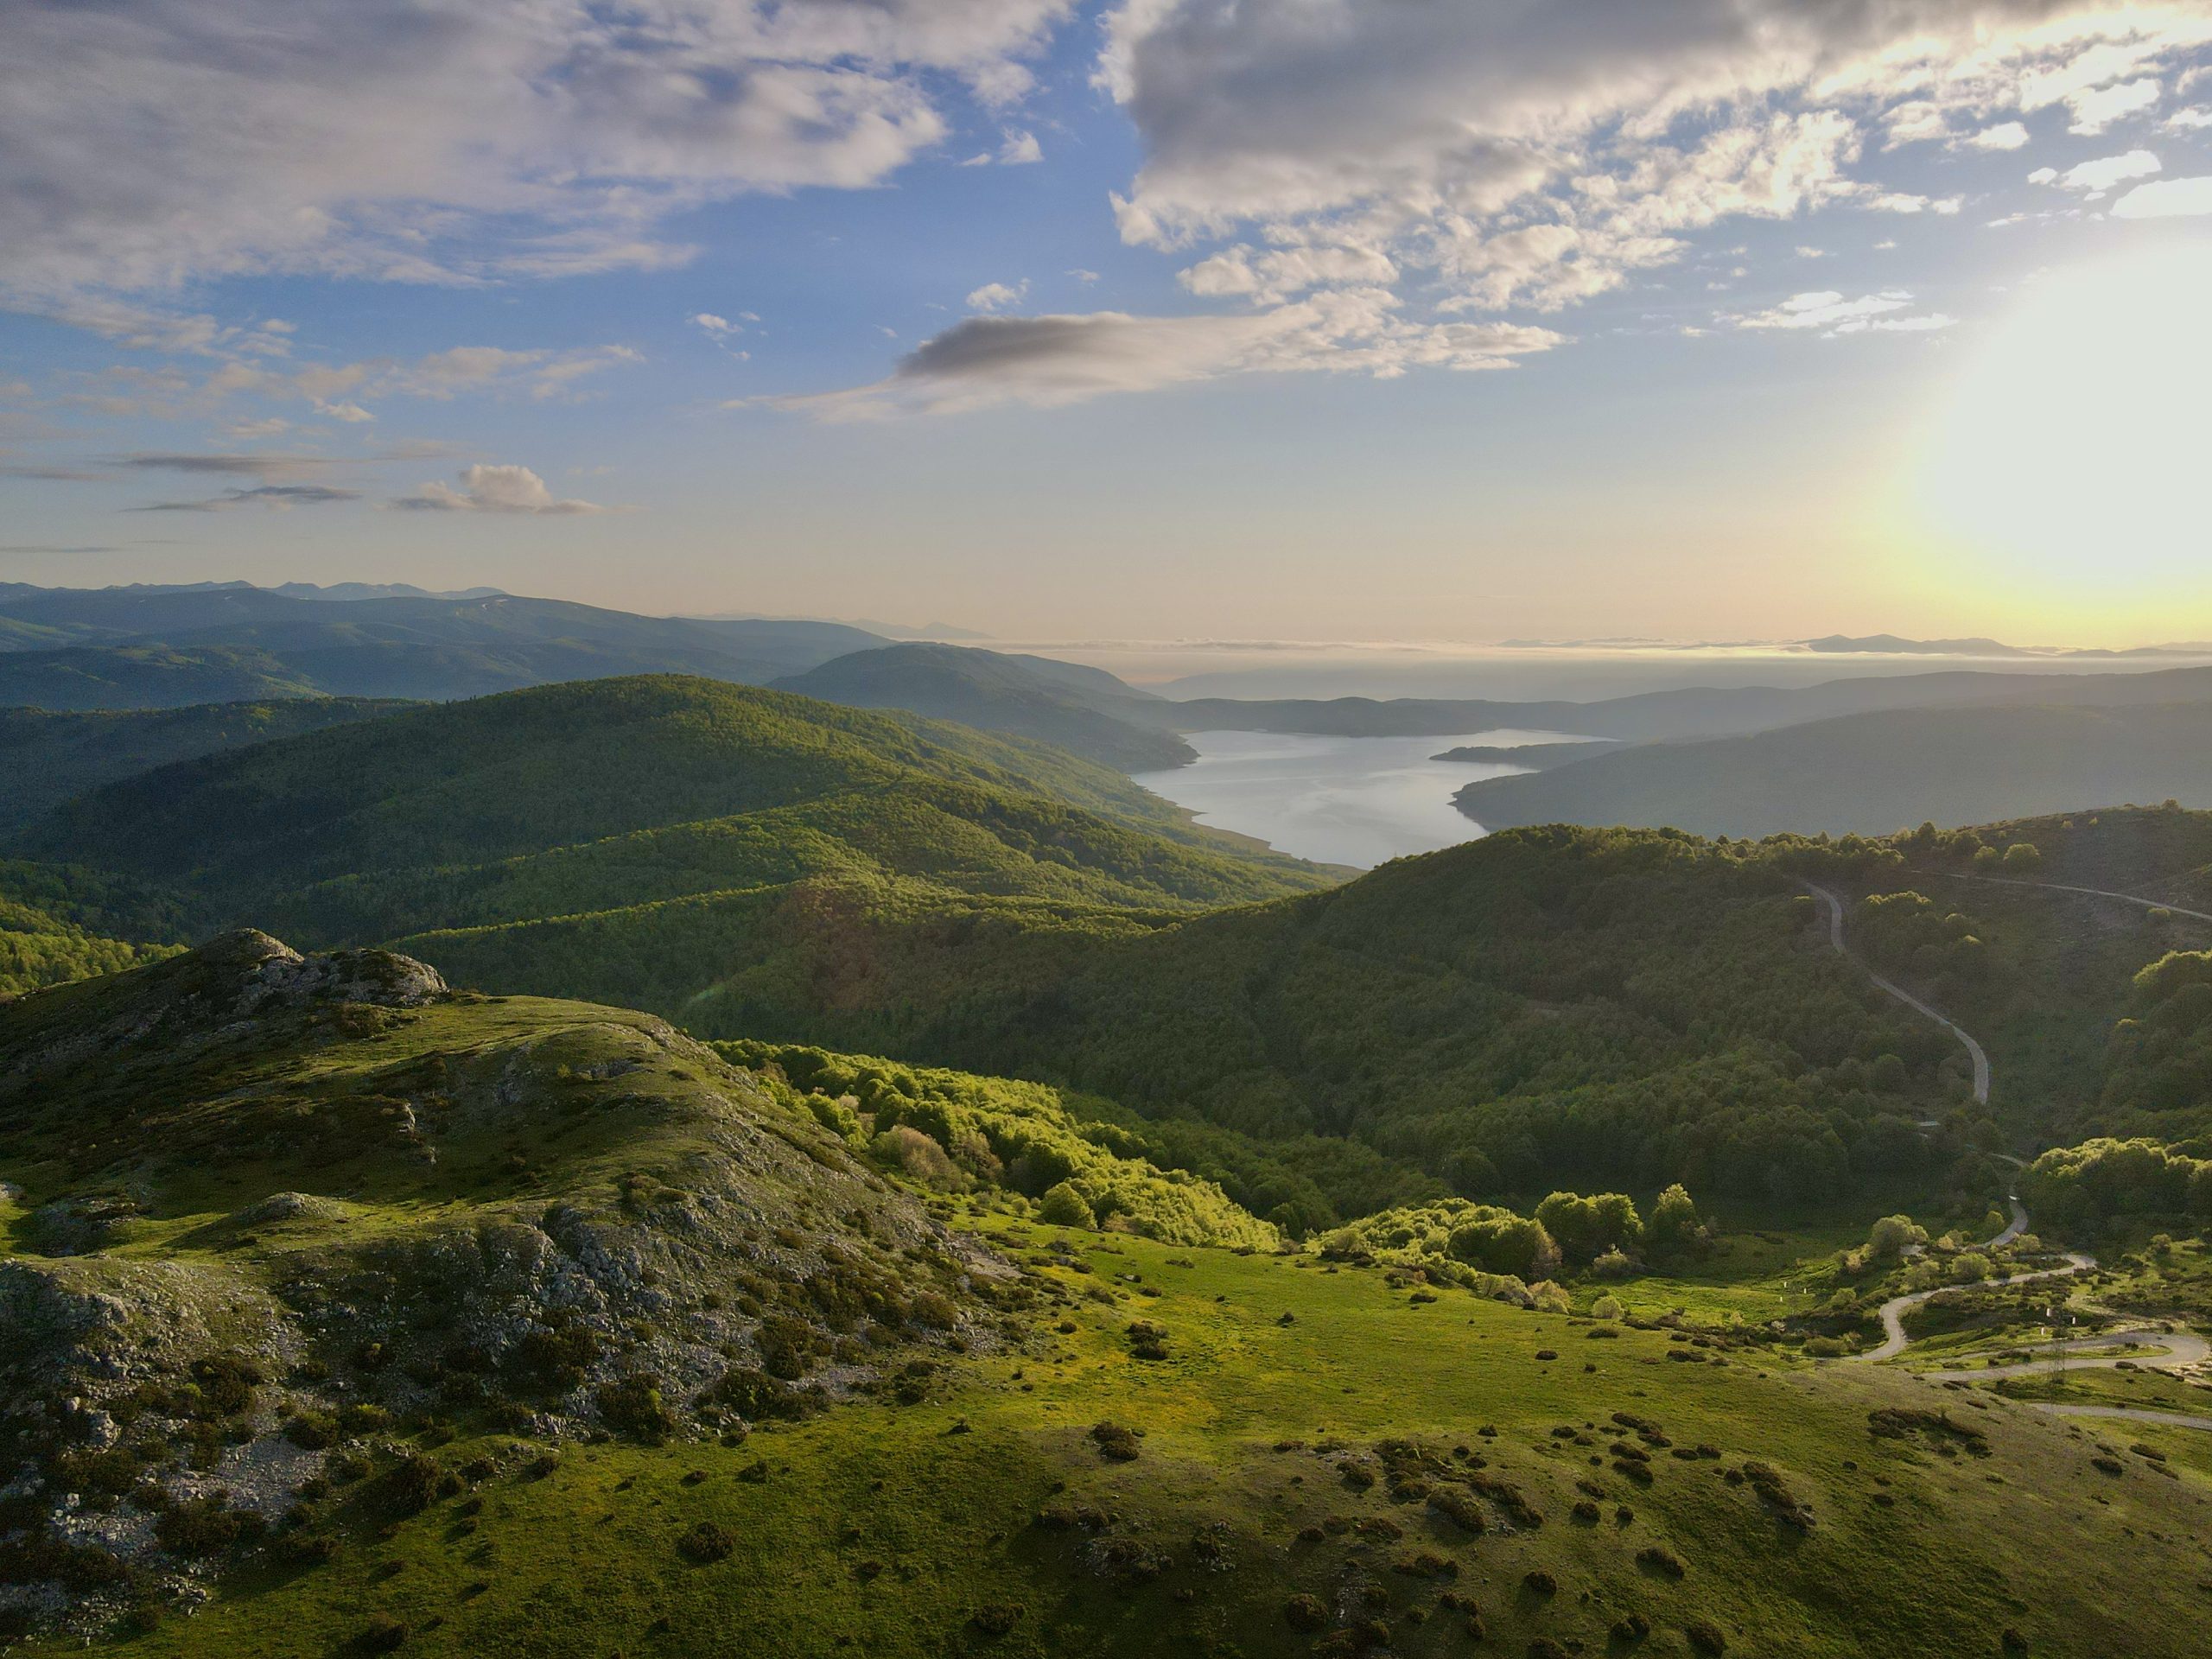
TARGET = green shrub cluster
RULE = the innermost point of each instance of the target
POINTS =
(958, 1132)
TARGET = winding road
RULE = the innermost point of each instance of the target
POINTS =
(2180, 1348)
(1973, 1050)
(2060, 886)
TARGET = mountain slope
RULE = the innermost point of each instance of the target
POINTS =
(46, 758)
(1874, 772)
(582, 796)
(343, 1313)
(1082, 709)
(164, 647)
(1543, 1006)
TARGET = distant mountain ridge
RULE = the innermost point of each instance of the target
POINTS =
(1875, 773)
(144, 647)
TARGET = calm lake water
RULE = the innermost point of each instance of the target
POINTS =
(1335, 800)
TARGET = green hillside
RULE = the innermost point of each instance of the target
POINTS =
(582, 798)
(45, 757)
(354, 1314)
(145, 677)
(1541, 1008)
(1873, 773)
(1082, 709)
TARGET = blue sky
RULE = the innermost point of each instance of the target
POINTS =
(1309, 319)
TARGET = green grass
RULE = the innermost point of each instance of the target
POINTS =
(584, 1562)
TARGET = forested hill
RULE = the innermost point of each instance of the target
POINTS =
(1873, 774)
(578, 797)
(1082, 709)
(1540, 1008)
(46, 758)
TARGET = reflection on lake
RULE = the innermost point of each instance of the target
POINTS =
(1335, 800)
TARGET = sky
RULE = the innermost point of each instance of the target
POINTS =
(1304, 320)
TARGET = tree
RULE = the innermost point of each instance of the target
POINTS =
(1585, 1227)
(1675, 1230)
(2022, 858)
(1507, 1244)
(1888, 1239)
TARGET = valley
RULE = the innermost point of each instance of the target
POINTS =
(712, 1163)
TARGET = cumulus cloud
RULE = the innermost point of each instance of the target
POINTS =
(1540, 155)
(2168, 199)
(1047, 361)
(1019, 150)
(495, 489)
(998, 297)
(2190, 120)
(453, 140)
(1830, 314)
(2096, 111)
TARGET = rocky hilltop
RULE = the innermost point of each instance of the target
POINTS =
(276, 1208)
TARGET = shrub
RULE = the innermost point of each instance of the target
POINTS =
(1660, 1561)
(382, 1634)
(1064, 1206)
(206, 1527)
(1304, 1612)
(706, 1542)
(1706, 1638)
(1607, 1308)
(312, 1431)
(1115, 1441)
(633, 1405)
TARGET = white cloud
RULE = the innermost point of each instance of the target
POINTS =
(1804, 252)
(1900, 202)
(2096, 111)
(1083, 276)
(1510, 155)
(2168, 199)
(716, 327)
(495, 489)
(453, 140)
(2190, 120)
(2099, 175)
(1830, 314)
(1044, 362)
(1019, 150)
(997, 297)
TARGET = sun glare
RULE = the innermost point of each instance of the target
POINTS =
(2078, 443)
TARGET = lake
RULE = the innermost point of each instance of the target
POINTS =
(1335, 800)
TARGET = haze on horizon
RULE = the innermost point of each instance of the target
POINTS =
(1174, 318)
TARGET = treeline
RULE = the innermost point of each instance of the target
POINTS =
(1497, 1251)
(956, 1132)
(1636, 1007)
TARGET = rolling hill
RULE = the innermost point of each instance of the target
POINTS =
(46, 758)
(1085, 710)
(348, 1312)
(1873, 773)
(1541, 1006)
(610, 794)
